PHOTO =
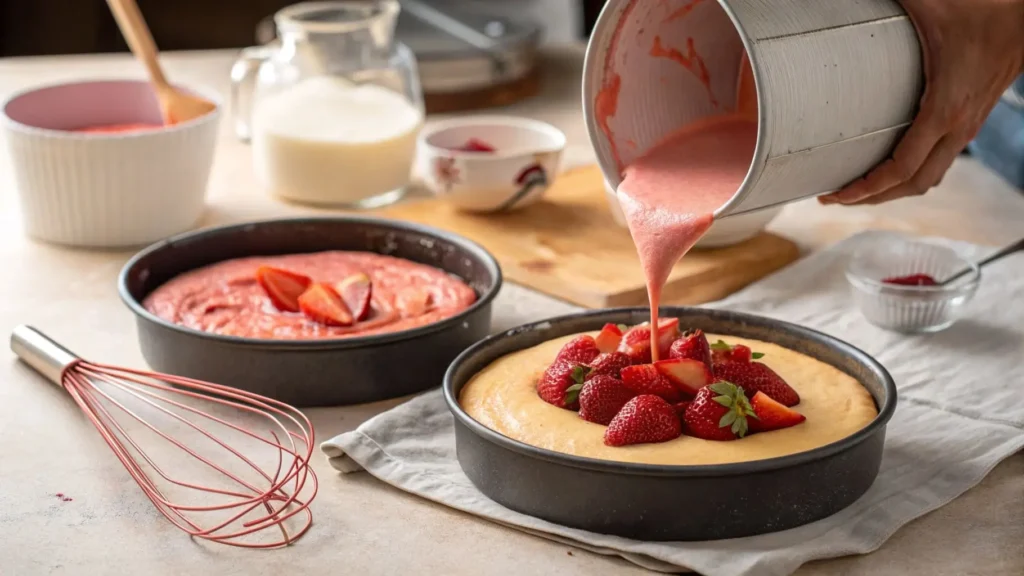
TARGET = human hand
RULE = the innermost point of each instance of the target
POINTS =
(973, 50)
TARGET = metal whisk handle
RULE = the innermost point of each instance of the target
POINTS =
(41, 353)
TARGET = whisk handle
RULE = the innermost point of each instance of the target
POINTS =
(40, 352)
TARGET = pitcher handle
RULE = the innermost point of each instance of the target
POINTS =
(243, 87)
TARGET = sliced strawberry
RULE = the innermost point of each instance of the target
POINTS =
(283, 287)
(356, 290)
(719, 412)
(645, 379)
(755, 377)
(693, 345)
(688, 375)
(610, 364)
(412, 302)
(602, 397)
(643, 420)
(322, 304)
(561, 383)
(636, 342)
(722, 352)
(609, 338)
(772, 415)
(580, 350)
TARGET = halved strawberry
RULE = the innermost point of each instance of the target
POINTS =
(283, 287)
(412, 302)
(610, 364)
(580, 350)
(636, 342)
(772, 415)
(609, 338)
(322, 304)
(561, 383)
(687, 374)
(693, 345)
(356, 290)
(722, 352)
(602, 397)
(645, 379)
(755, 377)
(719, 412)
(644, 419)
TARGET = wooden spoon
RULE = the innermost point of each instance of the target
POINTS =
(175, 105)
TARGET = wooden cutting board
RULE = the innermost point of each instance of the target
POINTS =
(568, 246)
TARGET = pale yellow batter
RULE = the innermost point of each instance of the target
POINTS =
(503, 397)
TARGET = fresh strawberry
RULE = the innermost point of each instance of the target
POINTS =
(636, 342)
(719, 412)
(579, 350)
(693, 345)
(680, 408)
(561, 383)
(602, 397)
(610, 364)
(645, 379)
(722, 352)
(282, 286)
(772, 415)
(755, 377)
(322, 304)
(609, 338)
(644, 419)
(356, 290)
(687, 374)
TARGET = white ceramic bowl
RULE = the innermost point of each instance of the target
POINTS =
(105, 189)
(526, 158)
(725, 232)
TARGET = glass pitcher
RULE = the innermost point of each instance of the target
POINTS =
(333, 110)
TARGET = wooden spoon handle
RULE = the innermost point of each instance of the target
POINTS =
(140, 40)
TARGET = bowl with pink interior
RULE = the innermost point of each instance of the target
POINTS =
(94, 165)
(490, 163)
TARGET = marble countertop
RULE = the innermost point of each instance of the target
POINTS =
(361, 525)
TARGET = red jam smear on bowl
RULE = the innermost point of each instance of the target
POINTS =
(119, 128)
(238, 298)
(911, 280)
(475, 145)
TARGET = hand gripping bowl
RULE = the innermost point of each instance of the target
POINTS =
(658, 503)
(313, 372)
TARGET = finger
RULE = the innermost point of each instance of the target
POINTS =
(929, 176)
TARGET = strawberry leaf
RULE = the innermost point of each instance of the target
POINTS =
(572, 393)
(724, 401)
(729, 418)
(721, 345)
(579, 373)
(622, 327)
(757, 355)
(724, 388)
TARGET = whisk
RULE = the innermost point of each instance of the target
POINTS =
(263, 483)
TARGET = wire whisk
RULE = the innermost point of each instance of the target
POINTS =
(191, 446)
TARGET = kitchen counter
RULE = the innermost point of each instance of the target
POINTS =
(361, 525)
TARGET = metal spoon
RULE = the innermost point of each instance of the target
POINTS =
(1006, 251)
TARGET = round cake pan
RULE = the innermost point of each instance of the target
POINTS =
(656, 502)
(313, 372)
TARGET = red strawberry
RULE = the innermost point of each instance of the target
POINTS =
(644, 419)
(687, 374)
(755, 377)
(601, 399)
(722, 352)
(771, 415)
(579, 350)
(645, 379)
(609, 338)
(719, 412)
(322, 304)
(356, 290)
(282, 286)
(636, 342)
(693, 345)
(561, 383)
(680, 408)
(610, 364)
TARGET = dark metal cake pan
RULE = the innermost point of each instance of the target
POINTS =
(657, 502)
(313, 372)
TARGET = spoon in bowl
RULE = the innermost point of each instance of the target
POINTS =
(1005, 251)
(175, 105)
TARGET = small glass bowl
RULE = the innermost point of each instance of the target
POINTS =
(910, 309)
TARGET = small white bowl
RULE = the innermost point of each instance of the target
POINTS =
(725, 232)
(106, 189)
(526, 159)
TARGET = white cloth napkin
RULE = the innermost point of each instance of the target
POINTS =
(960, 412)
